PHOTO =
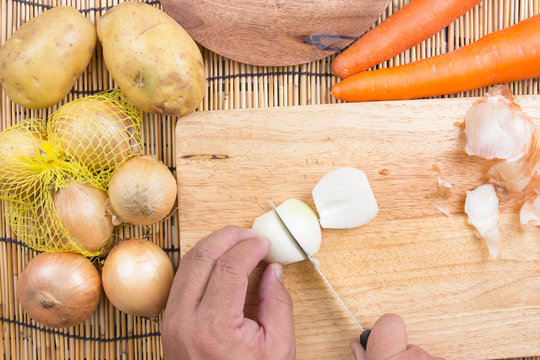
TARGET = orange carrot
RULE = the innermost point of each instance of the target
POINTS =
(412, 24)
(507, 55)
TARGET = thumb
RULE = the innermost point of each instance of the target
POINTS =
(275, 306)
(388, 337)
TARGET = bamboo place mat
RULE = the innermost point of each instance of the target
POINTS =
(109, 333)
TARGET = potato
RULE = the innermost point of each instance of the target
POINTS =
(42, 60)
(152, 58)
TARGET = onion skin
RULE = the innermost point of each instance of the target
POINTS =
(142, 191)
(137, 276)
(82, 209)
(95, 132)
(59, 289)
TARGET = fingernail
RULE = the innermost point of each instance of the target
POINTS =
(278, 271)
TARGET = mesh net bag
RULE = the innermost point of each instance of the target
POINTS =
(67, 162)
(99, 131)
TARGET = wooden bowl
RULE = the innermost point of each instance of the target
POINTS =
(275, 32)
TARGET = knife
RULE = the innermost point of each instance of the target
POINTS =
(365, 333)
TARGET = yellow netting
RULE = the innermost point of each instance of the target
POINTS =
(83, 142)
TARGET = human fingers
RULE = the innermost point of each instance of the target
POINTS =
(414, 352)
(275, 313)
(388, 337)
(197, 265)
(226, 291)
(358, 351)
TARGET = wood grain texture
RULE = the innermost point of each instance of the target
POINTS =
(411, 259)
(275, 32)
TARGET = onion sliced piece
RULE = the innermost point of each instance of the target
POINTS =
(529, 215)
(344, 199)
(300, 221)
(482, 207)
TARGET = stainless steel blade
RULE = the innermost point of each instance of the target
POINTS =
(315, 264)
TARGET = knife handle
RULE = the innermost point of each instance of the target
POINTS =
(364, 338)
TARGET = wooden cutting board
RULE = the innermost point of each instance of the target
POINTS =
(275, 32)
(411, 259)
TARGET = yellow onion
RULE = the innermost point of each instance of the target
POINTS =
(18, 145)
(142, 191)
(137, 277)
(83, 211)
(59, 289)
(96, 132)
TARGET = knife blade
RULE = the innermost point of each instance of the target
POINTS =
(316, 266)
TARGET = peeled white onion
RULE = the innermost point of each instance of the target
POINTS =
(59, 289)
(137, 277)
(344, 199)
(300, 221)
(142, 191)
(482, 207)
(83, 211)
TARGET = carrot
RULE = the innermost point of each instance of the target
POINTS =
(415, 22)
(507, 55)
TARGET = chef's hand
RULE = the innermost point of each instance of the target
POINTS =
(204, 316)
(388, 341)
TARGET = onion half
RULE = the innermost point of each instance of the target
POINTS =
(59, 289)
(301, 222)
(344, 199)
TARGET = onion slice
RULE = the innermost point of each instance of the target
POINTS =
(344, 199)
(529, 215)
(482, 207)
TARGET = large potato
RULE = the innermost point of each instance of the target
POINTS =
(152, 58)
(41, 61)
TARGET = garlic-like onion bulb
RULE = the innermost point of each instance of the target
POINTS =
(142, 191)
(298, 221)
(83, 211)
(529, 215)
(482, 207)
(496, 128)
(137, 277)
(59, 289)
(344, 199)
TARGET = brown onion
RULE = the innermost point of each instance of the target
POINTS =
(83, 211)
(142, 191)
(59, 289)
(96, 132)
(137, 277)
